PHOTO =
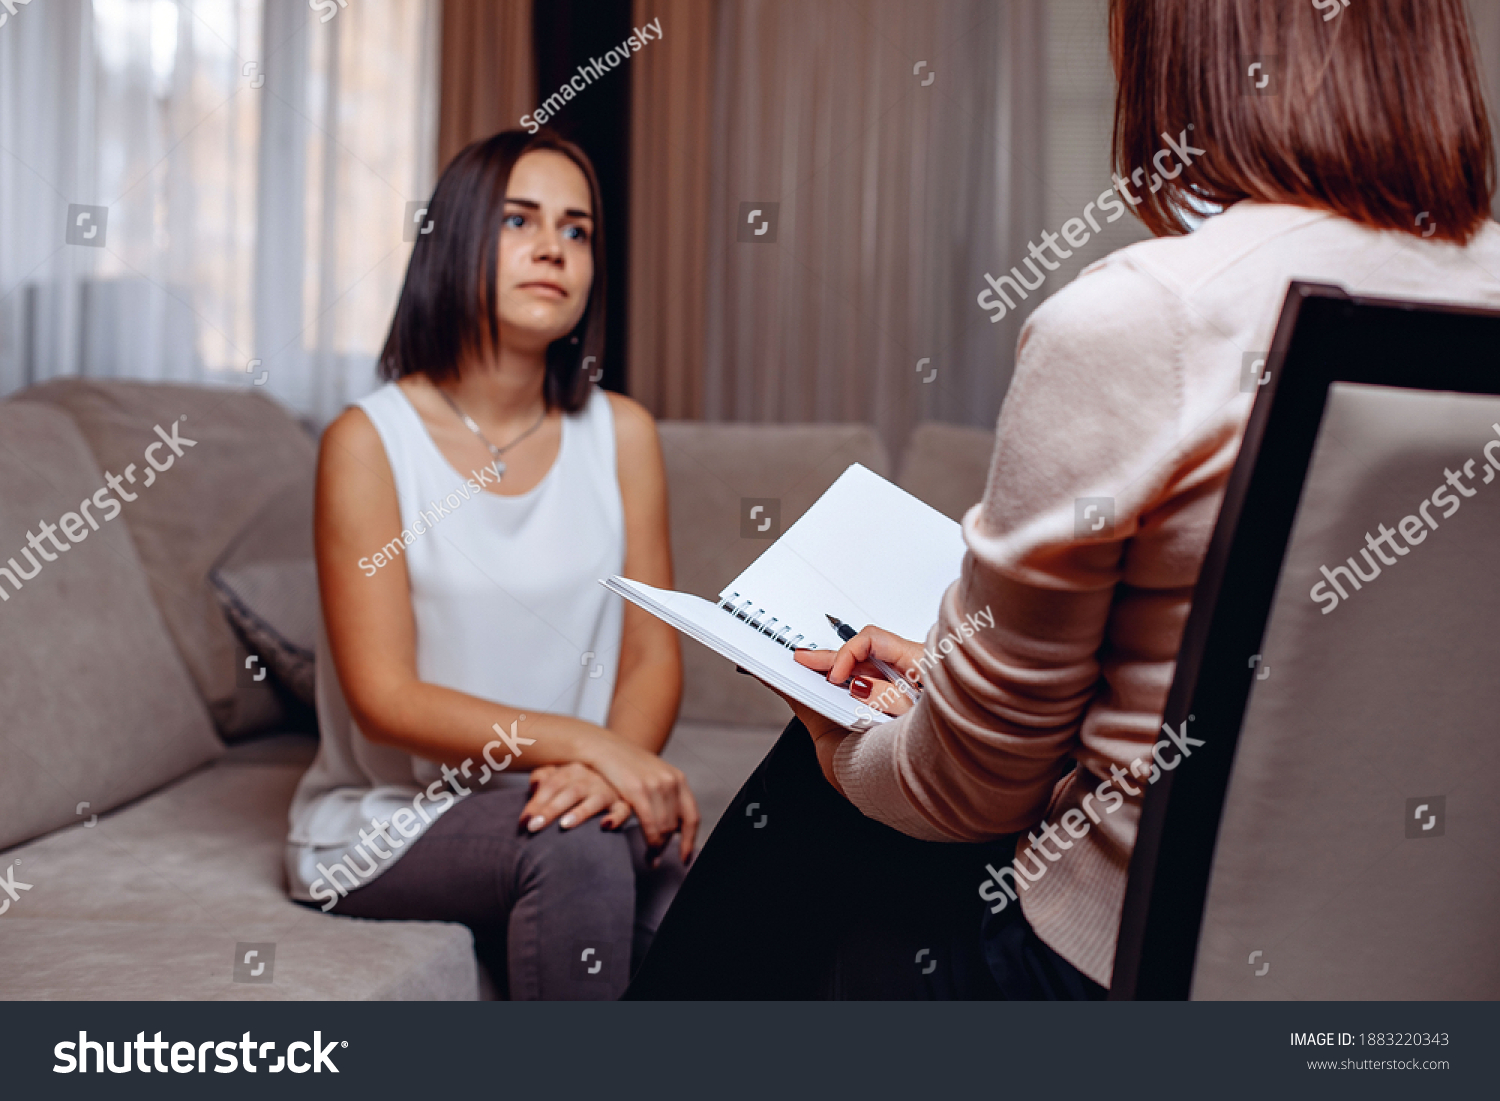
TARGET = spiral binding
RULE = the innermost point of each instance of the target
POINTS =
(766, 625)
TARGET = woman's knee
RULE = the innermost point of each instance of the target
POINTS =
(583, 854)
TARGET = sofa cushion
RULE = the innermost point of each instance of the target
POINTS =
(151, 901)
(99, 708)
(716, 473)
(322, 959)
(208, 847)
(947, 465)
(247, 450)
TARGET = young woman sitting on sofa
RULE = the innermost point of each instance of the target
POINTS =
(491, 717)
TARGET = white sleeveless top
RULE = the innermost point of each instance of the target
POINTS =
(508, 607)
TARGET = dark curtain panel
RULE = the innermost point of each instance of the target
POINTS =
(568, 33)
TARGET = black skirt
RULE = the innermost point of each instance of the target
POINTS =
(798, 895)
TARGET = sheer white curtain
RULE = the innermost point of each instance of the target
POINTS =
(246, 167)
(350, 139)
(904, 146)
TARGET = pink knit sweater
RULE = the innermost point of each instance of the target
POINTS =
(1127, 386)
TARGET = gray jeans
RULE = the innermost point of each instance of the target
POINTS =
(557, 915)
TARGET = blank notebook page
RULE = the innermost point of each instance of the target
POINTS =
(866, 552)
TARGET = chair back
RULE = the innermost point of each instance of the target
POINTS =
(1335, 838)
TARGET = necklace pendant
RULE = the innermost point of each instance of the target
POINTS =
(495, 452)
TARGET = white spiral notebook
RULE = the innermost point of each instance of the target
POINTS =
(867, 552)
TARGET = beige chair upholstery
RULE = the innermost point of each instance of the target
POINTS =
(1374, 720)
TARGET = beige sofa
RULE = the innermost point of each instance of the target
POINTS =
(147, 758)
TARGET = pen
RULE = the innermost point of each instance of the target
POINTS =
(847, 632)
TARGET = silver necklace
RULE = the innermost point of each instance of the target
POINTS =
(495, 452)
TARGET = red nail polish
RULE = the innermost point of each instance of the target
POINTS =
(860, 688)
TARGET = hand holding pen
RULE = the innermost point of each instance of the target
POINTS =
(866, 655)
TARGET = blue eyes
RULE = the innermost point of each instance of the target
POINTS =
(570, 233)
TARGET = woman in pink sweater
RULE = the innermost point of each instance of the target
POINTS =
(1352, 150)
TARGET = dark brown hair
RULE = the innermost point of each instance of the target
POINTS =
(448, 309)
(1378, 116)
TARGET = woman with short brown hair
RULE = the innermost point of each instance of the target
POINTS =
(1354, 150)
(490, 719)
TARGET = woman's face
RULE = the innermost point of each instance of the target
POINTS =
(546, 251)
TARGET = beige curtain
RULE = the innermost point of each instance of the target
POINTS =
(671, 109)
(488, 78)
(899, 146)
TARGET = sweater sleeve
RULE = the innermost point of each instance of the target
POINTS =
(1093, 412)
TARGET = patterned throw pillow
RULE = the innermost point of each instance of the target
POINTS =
(274, 607)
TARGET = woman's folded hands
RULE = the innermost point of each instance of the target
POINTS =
(571, 794)
(618, 778)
